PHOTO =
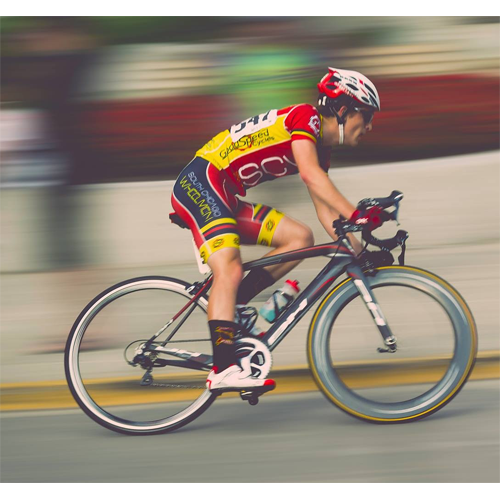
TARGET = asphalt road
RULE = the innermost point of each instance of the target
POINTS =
(285, 439)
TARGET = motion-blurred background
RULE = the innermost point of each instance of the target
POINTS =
(99, 115)
(90, 106)
(95, 99)
(90, 100)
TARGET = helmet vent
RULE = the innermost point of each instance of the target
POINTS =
(366, 100)
(370, 90)
(353, 87)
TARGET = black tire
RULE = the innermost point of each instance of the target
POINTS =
(78, 387)
(327, 373)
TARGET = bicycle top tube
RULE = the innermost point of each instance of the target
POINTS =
(325, 249)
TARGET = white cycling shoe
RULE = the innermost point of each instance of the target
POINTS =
(235, 378)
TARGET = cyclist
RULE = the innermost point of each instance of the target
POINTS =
(294, 140)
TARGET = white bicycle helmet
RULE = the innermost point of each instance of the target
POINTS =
(340, 87)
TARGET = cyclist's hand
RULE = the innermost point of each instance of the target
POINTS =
(371, 218)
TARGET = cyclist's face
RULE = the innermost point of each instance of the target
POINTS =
(355, 128)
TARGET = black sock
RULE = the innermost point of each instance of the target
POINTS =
(254, 282)
(222, 334)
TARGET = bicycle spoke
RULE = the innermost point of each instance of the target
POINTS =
(110, 388)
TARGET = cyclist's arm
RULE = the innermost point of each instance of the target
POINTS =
(327, 199)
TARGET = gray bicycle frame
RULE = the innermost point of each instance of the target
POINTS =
(341, 261)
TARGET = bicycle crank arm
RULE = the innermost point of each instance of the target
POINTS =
(371, 303)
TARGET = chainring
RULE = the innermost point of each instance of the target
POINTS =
(254, 356)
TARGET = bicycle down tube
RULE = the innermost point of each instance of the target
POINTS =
(342, 261)
(310, 295)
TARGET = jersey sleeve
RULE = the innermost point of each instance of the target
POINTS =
(304, 122)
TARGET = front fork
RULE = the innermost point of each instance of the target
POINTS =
(361, 283)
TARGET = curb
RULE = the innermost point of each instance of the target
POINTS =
(52, 395)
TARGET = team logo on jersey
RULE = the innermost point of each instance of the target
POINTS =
(315, 124)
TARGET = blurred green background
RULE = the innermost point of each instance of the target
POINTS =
(97, 99)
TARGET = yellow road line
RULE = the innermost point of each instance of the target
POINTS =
(124, 391)
(481, 356)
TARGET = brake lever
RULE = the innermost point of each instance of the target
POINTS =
(396, 212)
(402, 236)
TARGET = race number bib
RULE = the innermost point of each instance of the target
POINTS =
(253, 125)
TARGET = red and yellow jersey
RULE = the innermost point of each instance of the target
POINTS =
(260, 149)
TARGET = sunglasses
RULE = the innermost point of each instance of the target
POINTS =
(367, 114)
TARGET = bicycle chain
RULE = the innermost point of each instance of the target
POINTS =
(177, 386)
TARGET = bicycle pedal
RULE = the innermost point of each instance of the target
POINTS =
(252, 396)
(246, 395)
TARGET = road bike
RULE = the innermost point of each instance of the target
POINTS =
(137, 357)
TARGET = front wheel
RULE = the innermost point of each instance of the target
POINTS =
(436, 338)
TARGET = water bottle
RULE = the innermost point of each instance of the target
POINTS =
(279, 300)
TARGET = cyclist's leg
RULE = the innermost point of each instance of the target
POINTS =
(290, 235)
(262, 225)
(202, 202)
(228, 272)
